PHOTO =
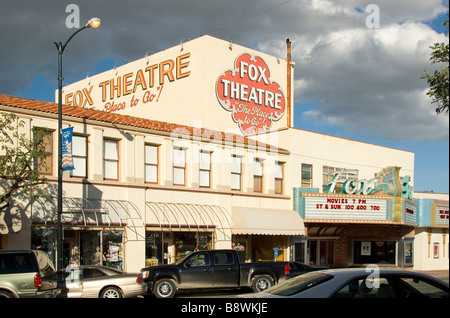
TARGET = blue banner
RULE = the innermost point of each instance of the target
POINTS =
(67, 162)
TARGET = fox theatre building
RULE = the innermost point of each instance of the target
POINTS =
(193, 148)
(360, 222)
(196, 179)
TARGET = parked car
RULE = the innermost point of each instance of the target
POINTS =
(358, 283)
(297, 268)
(212, 269)
(21, 273)
(95, 282)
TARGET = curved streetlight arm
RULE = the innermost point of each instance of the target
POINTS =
(62, 47)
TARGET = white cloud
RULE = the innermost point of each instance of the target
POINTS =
(363, 79)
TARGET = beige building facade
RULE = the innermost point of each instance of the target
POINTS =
(193, 148)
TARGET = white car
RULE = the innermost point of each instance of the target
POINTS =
(94, 282)
(358, 283)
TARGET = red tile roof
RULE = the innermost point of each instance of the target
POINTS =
(126, 120)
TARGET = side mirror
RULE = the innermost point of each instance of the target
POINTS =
(187, 263)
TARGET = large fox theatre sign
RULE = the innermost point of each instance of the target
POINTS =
(249, 94)
(182, 88)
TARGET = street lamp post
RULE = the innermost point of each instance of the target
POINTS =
(92, 23)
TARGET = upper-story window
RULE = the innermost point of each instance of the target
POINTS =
(110, 159)
(151, 163)
(79, 156)
(258, 175)
(179, 166)
(236, 172)
(306, 175)
(45, 165)
(205, 169)
(279, 172)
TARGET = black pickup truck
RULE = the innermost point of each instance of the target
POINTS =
(213, 269)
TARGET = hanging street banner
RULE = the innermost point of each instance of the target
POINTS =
(67, 162)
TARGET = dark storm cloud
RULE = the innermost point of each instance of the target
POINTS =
(362, 79)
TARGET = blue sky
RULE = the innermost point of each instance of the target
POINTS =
(350, 81)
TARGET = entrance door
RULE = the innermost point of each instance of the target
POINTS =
(321, 253)
(326, 253)
(299, 252)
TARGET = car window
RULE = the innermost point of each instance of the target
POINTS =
(416, 288)
(223, 258)
(92, 273)
(199, 259)
(367, 288)
(298, 284)
(17, 263)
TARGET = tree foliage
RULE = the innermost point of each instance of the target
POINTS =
(19, 156)
(438, 82)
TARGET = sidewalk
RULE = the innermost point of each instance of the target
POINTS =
(441, 274)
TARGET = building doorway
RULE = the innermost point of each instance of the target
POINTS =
(321, 253)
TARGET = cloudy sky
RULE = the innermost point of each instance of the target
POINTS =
(357, 72)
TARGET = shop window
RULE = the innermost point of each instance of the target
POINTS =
(257, 175)
(205, 169)
(44, 240)
(186, 242)
(179, 166)
(110, 159)
(79, 156)
(113, 249)
(45, 165)
(154, 249)
(151, 164)
(90, 251)
(306, 175)
(374, 252)
(279, 172)
(236, 172)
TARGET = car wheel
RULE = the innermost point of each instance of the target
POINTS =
(111, 292)
(261, 282)
(5, 294)
(165, 288)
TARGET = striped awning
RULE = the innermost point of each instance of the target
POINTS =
(260, 221)
(82, 212)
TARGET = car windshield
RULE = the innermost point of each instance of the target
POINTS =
(298, 284)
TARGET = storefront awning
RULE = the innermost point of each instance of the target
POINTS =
(266, 221)
(187, 216)
(82, 212)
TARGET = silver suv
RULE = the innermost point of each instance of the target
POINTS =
(21, 273)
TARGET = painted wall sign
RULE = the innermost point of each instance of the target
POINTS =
(247, 91)
(136, 87)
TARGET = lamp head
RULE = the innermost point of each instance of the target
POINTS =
(93, 23)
